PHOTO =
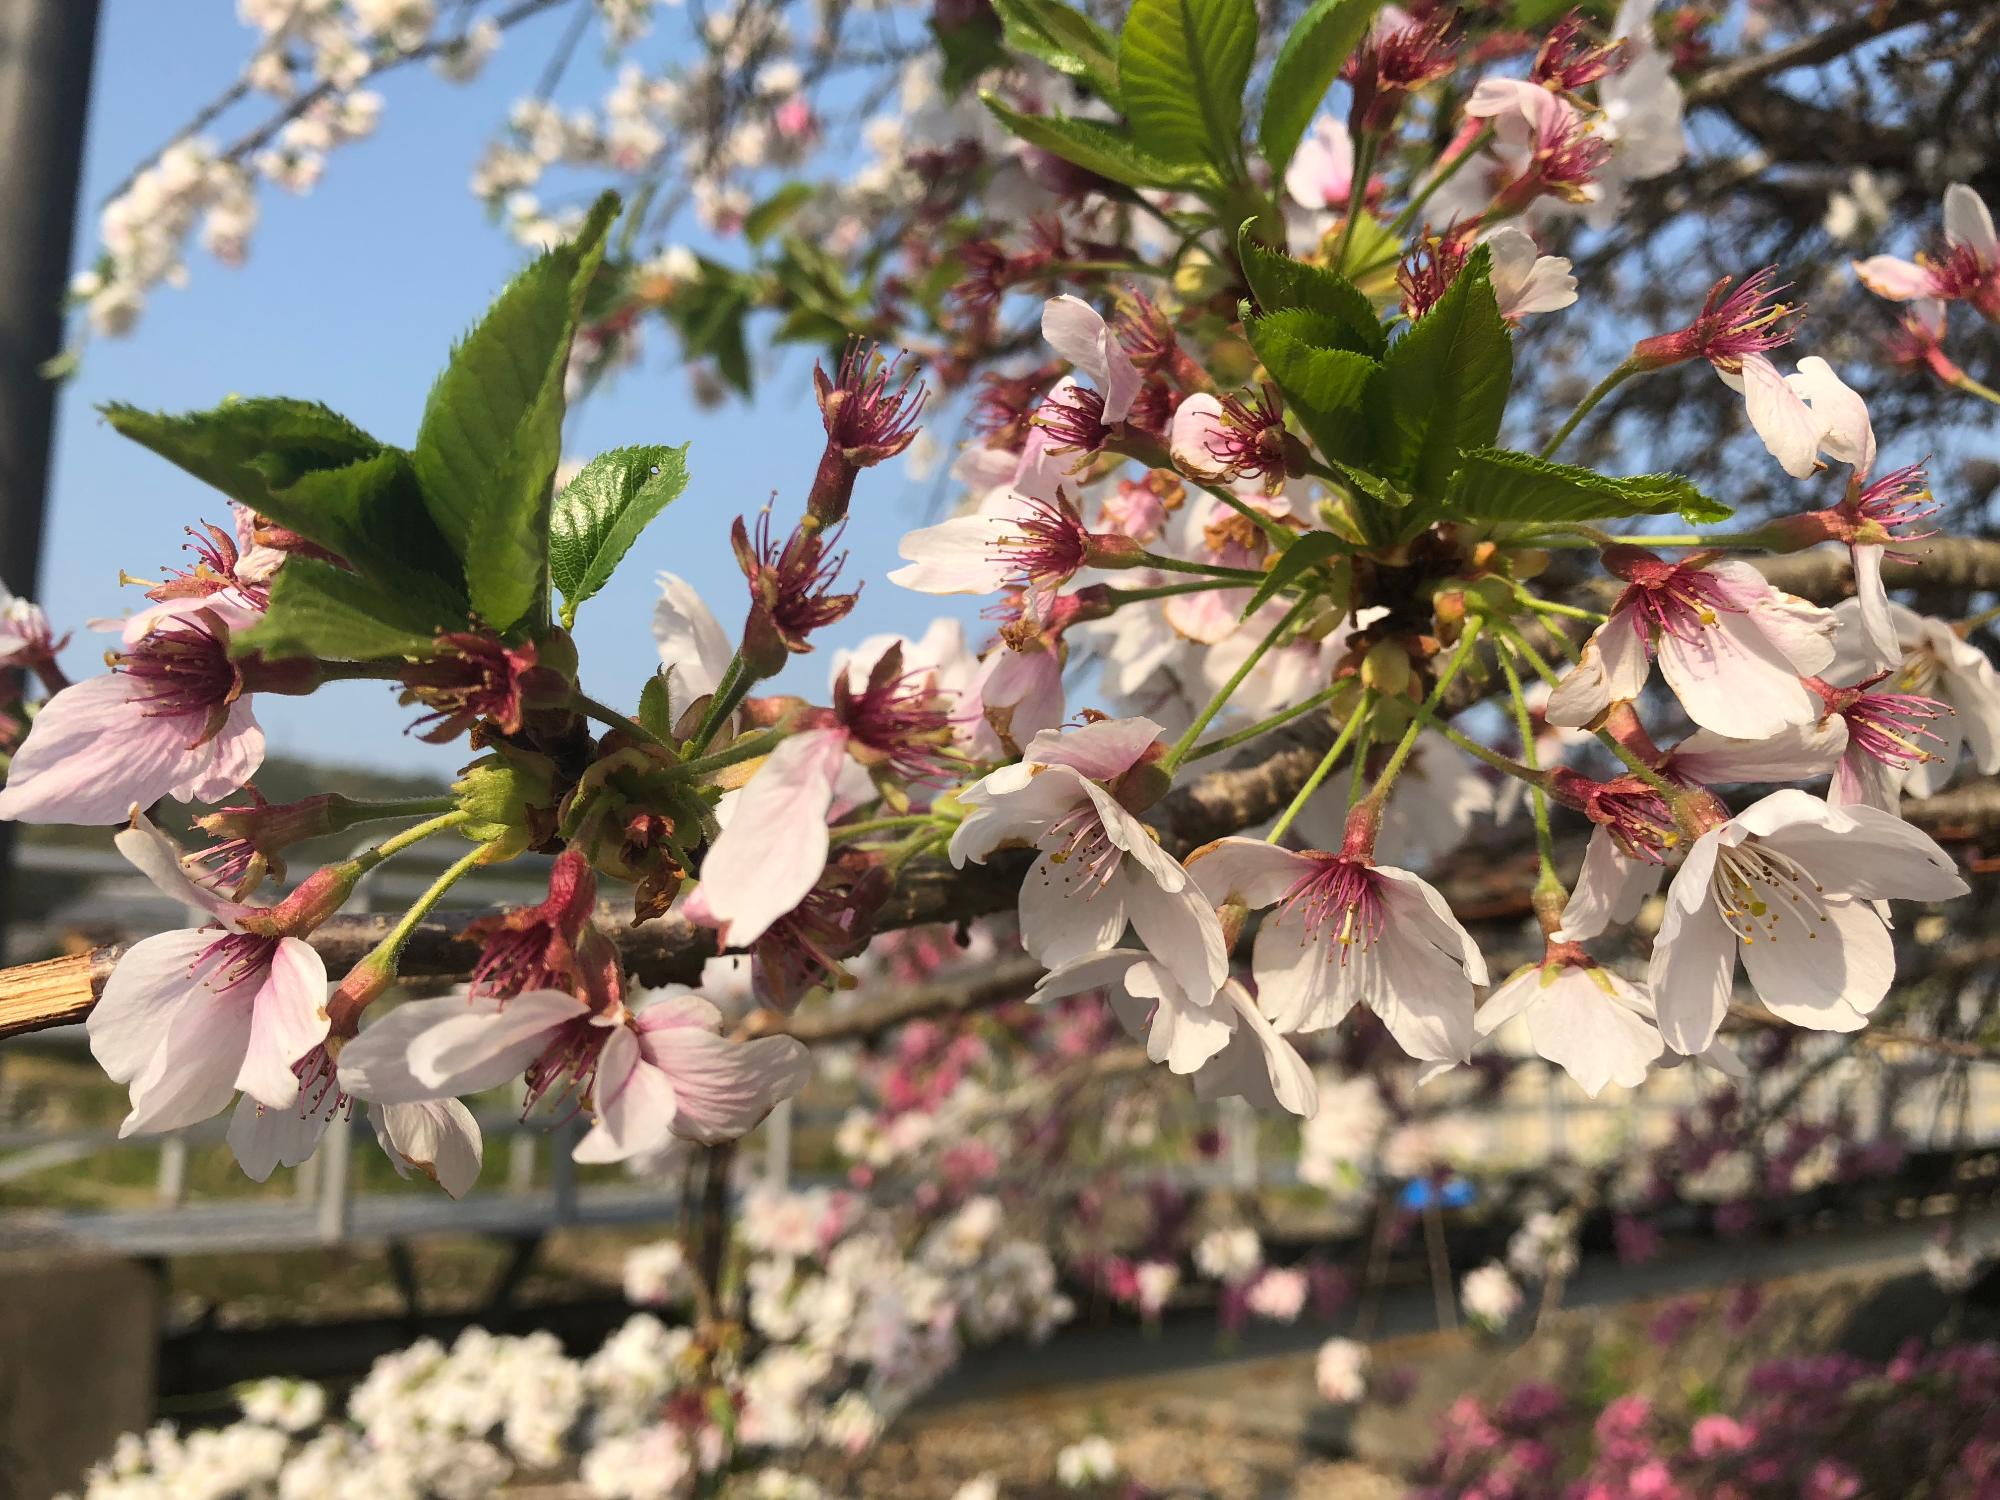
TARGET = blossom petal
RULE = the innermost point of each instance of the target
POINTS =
(1829, 978)
(774, 849)
(151, 978)
(91, 754)
(959, 556)
(1245, 871)
(287, 1020)
(1102, 751)
(632, 1101)
(158, 858)
(1611, 887)
(437, 1137)
(1895, 279)
(693, 648)
(1781, 417)
(1066, 913)
(262, 1140)
(722, 1088)
(1693, 969)
(484, 1045)
(1180, 930)
(1967, 223)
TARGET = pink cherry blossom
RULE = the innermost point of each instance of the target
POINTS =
(1967, 270)
(1582, 1017)
(1349, 932)
(1525, 280)
(1790, 885)
(1321, 174)
(1079, 333)
(171, 719)
(1731, 647)
(1932, 661)
(1097, 865)
(188, 1018)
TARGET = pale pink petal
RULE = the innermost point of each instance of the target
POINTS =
(1303, 983)
(376, 1065)
(483, 1047)
(693, 648)
(151, 979)
(158, 858)
(262, 1140)
(1079, 976)
(961, 556)
(1197, 423)
(772, 851)
(437, 1137)
(1784, 421)
(1610, 888)
(1864, 852)
(91, 753)
(287, 1020)
(1076, 331)
(1419, 910)
(1066, 914)
(1731, 679)
(673, 1006)
(1877, 628)
(227, 761)
(722, 1088)
(1693, 969)
(1611, 668)
(1898, 280)
(1013, 804)
(1846, 432)
(1246, 871)
(1427, 1003)
(1796, 752)
(1102, 751)
(1258, 1065)
(1586, 1026)
(1182, 1033)
(192, 1073)
(1967, 222)
(1180, 930)
(1321, 172)
(1142, 851)
(1829, 980)
(632, 1100)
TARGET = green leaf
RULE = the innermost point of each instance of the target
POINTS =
(775, 211)
(1064, 38)
(1279, 282)
(1311, 549)
(320, 610)
(1096, 147)
(601, 512)
(1496, 484)
(313, 472)
(1183, 67)
(967, 50)
(1310, 59)
(656, 707)
(491, 434)
(1325, 384)
(1445, 383)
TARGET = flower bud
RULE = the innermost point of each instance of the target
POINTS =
(1386, 668)
(510, 795)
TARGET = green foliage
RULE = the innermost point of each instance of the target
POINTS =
(1325, 383)
(776, 211)
(1183, 67)
(600, 513)
(1107, 150)
(313, 472)
(1494, 484)
(709, 315)
(656, 707)
(1278, 282)
(324, 611)
(1310, 550)
(1064, 38)
(1310, 59)
(491, 434)
(1445, 383)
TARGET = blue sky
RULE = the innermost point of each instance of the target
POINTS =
(352, 296)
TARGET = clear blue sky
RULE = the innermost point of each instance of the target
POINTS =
(352, 295)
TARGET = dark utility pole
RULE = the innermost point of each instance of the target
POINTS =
(45, 55)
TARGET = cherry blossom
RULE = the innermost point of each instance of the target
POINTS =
(1349, 932)
(1934, 662)
(1097, 865)
(1967, 269)
(1581, 1016)
(1731, 647)
(1790, 885)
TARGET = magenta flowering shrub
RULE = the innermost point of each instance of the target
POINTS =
(1826, 1426)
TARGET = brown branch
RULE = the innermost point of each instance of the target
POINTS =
(1871, 20)
(1943, 566)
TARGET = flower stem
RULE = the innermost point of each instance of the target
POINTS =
(1545, 843)
(1362, 712)
(749, 749)
(1122, 597)
(1263, 726)
(1603, 388)
(1357, 195)
(604, 714)
(729, 692)
(882, 825)
(1204, 570)
(396, 843)
(1215, 705)
(1379, 793)
(1408, 217)
(1973, 388)
(385, 955)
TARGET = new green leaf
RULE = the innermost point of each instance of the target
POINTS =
(1064, 38)
(1496, 484)
(601, 512)
(1325, 384)
(1096, 147)
(1308, 551)
(320, 610)
(1183, 67)
(1310, 59)
(1444, 383)
(491, 434)
(1278, 282)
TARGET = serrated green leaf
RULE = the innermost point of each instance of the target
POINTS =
(491, 434)
(1183, 67)
(1096, 147)
(1445, 383)
(1064, 38)
(1278, 282)
(1374, 486)
(313, 472)
(1497, 484)
(1310, 550)
(601, 512)
(1312, 56)
(1325, 384)
(319, 610)
(656, 707)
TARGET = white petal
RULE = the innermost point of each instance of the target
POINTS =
(1610, 888)
(1180, 930)
(1897, 280)
(1693, 969)
(158, 858)
(262, 1140)
(693, 647)
(1783, 420)
(1828, 976)
(1966, 222)
(438, 1137)
(1796, 752)
(287, 1020)
(151, 979)
(722, 1088)
(774, 849)
(482, 1047)
(1246, 871)
(1066, 913)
